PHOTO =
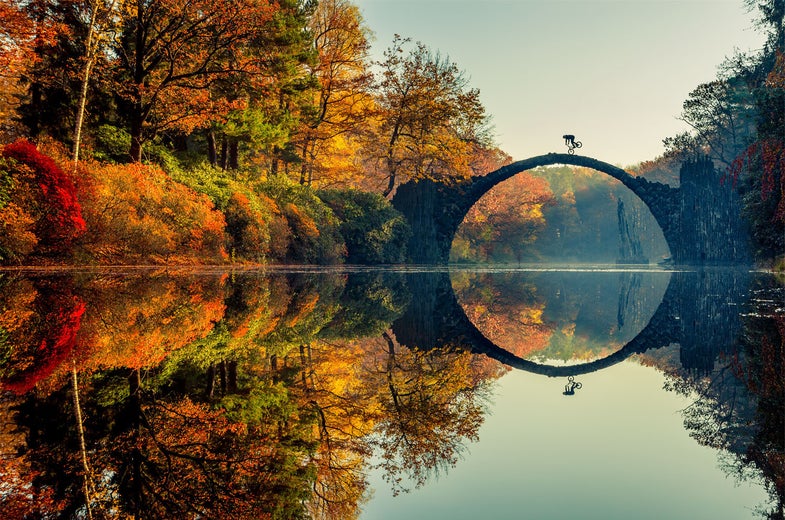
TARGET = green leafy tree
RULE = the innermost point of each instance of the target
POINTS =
(374, 231)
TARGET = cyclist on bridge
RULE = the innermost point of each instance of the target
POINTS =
(571, 143)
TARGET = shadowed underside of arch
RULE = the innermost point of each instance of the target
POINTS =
(436, 210)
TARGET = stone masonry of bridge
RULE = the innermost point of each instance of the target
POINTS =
(699, 220)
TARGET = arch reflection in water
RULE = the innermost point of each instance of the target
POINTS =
(697, 309)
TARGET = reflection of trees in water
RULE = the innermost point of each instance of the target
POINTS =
(560, 315)
(38, 327)
(262, 409)
(739, 405)
(434, 403)
(506, 308)
(263, 396)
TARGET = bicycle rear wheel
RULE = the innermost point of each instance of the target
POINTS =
(578, 144)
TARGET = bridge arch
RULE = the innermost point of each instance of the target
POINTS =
(436, 210)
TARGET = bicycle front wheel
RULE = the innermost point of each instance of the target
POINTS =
(570, 151)
(578, 144)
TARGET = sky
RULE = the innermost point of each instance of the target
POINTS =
(614, 73)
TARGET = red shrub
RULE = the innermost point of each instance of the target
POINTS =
(58, 213)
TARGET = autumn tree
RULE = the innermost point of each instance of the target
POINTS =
(136, 213)
(49, 68)
(428, 117)
(431, 406)
(506, 309)
(269, 100)
(39, 323)
(506, 220)
(100, 18)
(341, 99)
(170, 52)
(18, 35)
(41, 213)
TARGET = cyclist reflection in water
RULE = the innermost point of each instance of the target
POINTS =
(571, 386)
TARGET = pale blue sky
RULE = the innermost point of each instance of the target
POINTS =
(614, 73)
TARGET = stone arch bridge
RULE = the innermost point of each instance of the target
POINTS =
(699, 219)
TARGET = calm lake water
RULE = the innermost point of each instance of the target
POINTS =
(398, 393)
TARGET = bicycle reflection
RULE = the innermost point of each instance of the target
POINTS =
(572, 386)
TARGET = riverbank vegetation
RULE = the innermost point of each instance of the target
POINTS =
(212, 132)
(738, 120)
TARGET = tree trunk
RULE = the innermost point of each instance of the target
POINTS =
(222, 373)
(134, 383)
(224, 153)
(231, 377)
(80, 112)
(304, 368)
(210, 387)
(274, 162)
(88, 66)
(390, 184)
(135, 152)
(138, 110)
(274, 367)
(87, 484)
(232, 161)
(391, 167)
(212, 153)
(304, 165)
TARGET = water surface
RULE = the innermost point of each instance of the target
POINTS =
(503, 392)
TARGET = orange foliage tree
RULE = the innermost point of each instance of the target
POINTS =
(428, 118)
(431, 404)
(29, 222)
(511, 317)
(505, 221)
(136, 213)
(173, 51)
(18, 36)
(327, 133)
(136, 322)
(182, 458)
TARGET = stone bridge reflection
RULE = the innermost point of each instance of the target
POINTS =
(699, 311)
